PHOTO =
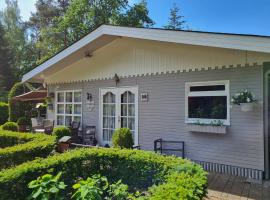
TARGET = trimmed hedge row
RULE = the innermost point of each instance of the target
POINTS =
(167, 177)
(17, 148)
(3, 112)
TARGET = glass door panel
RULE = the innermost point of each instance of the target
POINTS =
(109, 115)
(128, 111)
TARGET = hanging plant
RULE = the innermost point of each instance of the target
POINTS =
(245, 99)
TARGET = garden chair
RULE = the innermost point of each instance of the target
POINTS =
(89, 137)
(48, 126)
(74, 129)
(36, 124)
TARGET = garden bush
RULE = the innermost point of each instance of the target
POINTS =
(61, 131)
(19, 109)
(3, 112)
(17, 148)
(178, 178)
(24, 121)
(122, 138)
(10, 126)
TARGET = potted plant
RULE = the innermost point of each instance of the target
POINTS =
(245, 99)
(63, 135)
(23, 124)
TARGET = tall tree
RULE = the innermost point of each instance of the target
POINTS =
(176, 20)
(14, 32)
(83, 16)
(7, 77)
(43, 20)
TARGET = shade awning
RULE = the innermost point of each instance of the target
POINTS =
(34, 95)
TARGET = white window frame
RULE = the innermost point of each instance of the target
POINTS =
(64, 103)
(226, 92)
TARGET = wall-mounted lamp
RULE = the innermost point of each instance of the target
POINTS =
(90, 104)
(116, 79)
(89, 97)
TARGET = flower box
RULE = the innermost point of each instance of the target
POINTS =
(207, 129)
(246, 107)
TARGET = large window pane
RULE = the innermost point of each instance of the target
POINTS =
(69, 96)
(109, 109)
(60, 97)
(60, 109)
(131, 97)
(68, 120)
(60, 120)
(109, 98)
(77, 109)
(77, 119)
(68, 108)
(124, 110)
(213, 107)
(77, 97)
(131, 110)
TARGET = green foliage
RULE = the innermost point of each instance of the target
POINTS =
(122, 138)
(46, 187)
(19, 109)
(10, 126)
(24, 121)
(243, 97)
(176, 21)
(7, 77)
(137, 169)
(16, 148)
(91, 188)
(3, 113)
(61, 131)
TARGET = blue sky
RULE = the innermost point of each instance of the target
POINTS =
(231, 16)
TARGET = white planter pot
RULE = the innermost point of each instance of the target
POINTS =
(246, 107)
(207, 129)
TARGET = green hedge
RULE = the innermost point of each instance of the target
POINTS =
(61, 131)
(10, 126)
(17, 148)
(3, 112)
(175, 177)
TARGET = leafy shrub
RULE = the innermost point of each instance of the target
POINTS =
(10, 126)
(23, 147)
(122, 138)
(61, 131)
(19, 109)
(46, 187)
(3, 113)
(24, 121)
(137, 169)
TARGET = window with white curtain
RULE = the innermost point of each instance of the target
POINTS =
(68, 107)
(207, 102)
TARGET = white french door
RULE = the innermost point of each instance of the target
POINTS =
(118, 108)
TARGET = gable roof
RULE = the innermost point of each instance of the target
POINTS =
(107, 33)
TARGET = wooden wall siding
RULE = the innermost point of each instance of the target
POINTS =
(132, 57)
(163, 115)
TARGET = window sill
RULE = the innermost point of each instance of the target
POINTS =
(207, 129)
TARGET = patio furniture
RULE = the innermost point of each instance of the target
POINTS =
(89, 137)
(74, 129)
(37, 123)
(170, 147)
(48, 126)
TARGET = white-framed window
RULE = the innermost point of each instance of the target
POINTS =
(207, 102)
(68, 107)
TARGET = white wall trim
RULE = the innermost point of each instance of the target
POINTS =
(239, 42)
(155, 74)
